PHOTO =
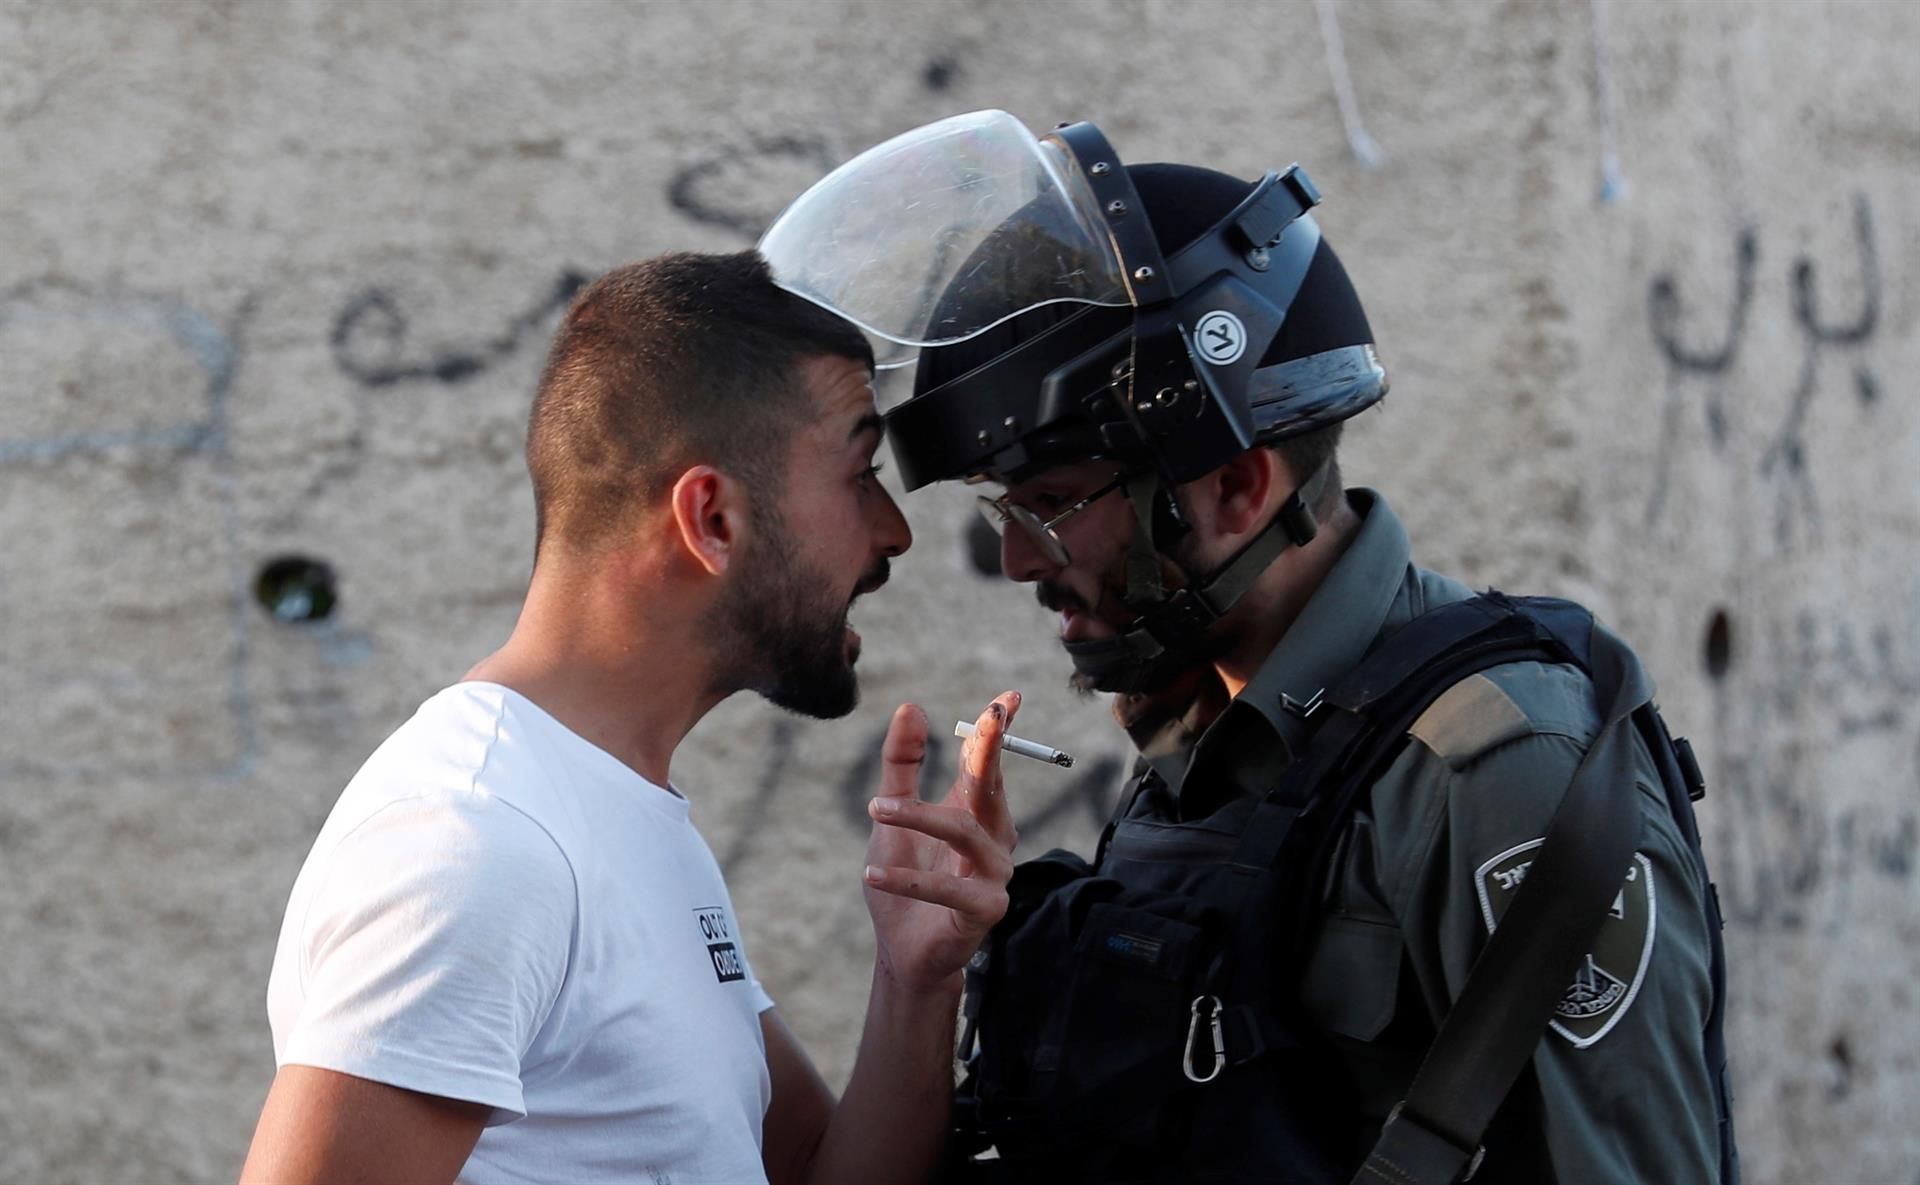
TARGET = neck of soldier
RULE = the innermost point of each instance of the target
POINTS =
(1268, 609)
(612, 647)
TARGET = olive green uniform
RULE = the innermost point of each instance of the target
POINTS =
(1619, 1088)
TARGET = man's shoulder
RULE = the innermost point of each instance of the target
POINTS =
(448, 738)
(464, 743)
(1494, 708)
(450, 779)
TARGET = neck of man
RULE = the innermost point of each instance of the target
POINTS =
(1270, 607)
(613, 651)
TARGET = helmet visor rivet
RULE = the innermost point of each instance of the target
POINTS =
(1143, 274)
(1100, 168)
(1116, 208)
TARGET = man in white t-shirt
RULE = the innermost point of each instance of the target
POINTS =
(510, 957)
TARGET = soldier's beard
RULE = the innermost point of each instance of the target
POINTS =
(1105, 664)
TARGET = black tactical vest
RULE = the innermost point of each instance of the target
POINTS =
(1134, 1020)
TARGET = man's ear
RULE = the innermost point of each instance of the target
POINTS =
(710, 513)
(1244, 486)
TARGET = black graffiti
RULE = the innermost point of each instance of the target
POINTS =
(1664, 308)
(1784, 460)
(1787, 454)
(744, 187)
(1780, 854)
(1789, 858)
(1834, 662)
(779, 752)
(369, 338)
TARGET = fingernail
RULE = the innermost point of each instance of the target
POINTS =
(1016, 699)
(872, 875)
(886, 806)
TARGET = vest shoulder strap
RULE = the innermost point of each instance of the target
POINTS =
(1365, 717)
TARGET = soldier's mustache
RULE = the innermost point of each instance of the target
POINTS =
(1058, 599)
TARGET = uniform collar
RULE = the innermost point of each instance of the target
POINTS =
(1333, 633)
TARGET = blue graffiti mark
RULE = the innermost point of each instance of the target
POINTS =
(203, 339)
(216, 350)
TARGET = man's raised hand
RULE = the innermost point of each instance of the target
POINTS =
(937, 872)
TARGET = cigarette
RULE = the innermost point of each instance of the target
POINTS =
(1024, 748)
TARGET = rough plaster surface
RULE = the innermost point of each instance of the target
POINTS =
(276, 278)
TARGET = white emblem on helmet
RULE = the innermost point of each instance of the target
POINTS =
(1220, 338)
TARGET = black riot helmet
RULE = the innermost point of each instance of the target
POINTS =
(1058, 306)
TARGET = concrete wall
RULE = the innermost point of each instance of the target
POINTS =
(276, 277)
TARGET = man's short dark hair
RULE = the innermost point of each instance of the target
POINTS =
(680, 360)
(1307, 452)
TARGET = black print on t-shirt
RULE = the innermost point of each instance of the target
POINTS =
(726, 962)
(728, 967)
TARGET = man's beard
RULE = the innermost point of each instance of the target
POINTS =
(783, 634)
(1135, 677)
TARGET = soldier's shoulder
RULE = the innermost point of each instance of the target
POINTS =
(1491, 710)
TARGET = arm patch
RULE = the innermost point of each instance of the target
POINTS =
(1468, 719)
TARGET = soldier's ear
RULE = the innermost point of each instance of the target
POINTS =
(1243, 487)
(709, 516)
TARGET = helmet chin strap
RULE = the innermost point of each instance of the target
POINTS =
(1168, 634)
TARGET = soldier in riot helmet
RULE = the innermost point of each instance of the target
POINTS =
(1407, 886)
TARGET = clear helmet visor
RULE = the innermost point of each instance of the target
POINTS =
(945, 231)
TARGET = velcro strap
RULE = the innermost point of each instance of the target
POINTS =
(1144, 587)
(1294, 524)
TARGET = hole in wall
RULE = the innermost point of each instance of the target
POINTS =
(1719, 644)
(1840, 1054)
(296, 588)
(939, 72)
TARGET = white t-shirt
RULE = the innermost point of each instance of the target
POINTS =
(500, 912)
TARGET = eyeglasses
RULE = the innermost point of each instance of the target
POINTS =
(1043, 533)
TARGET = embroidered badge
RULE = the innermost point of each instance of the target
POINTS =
(1607, 982)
